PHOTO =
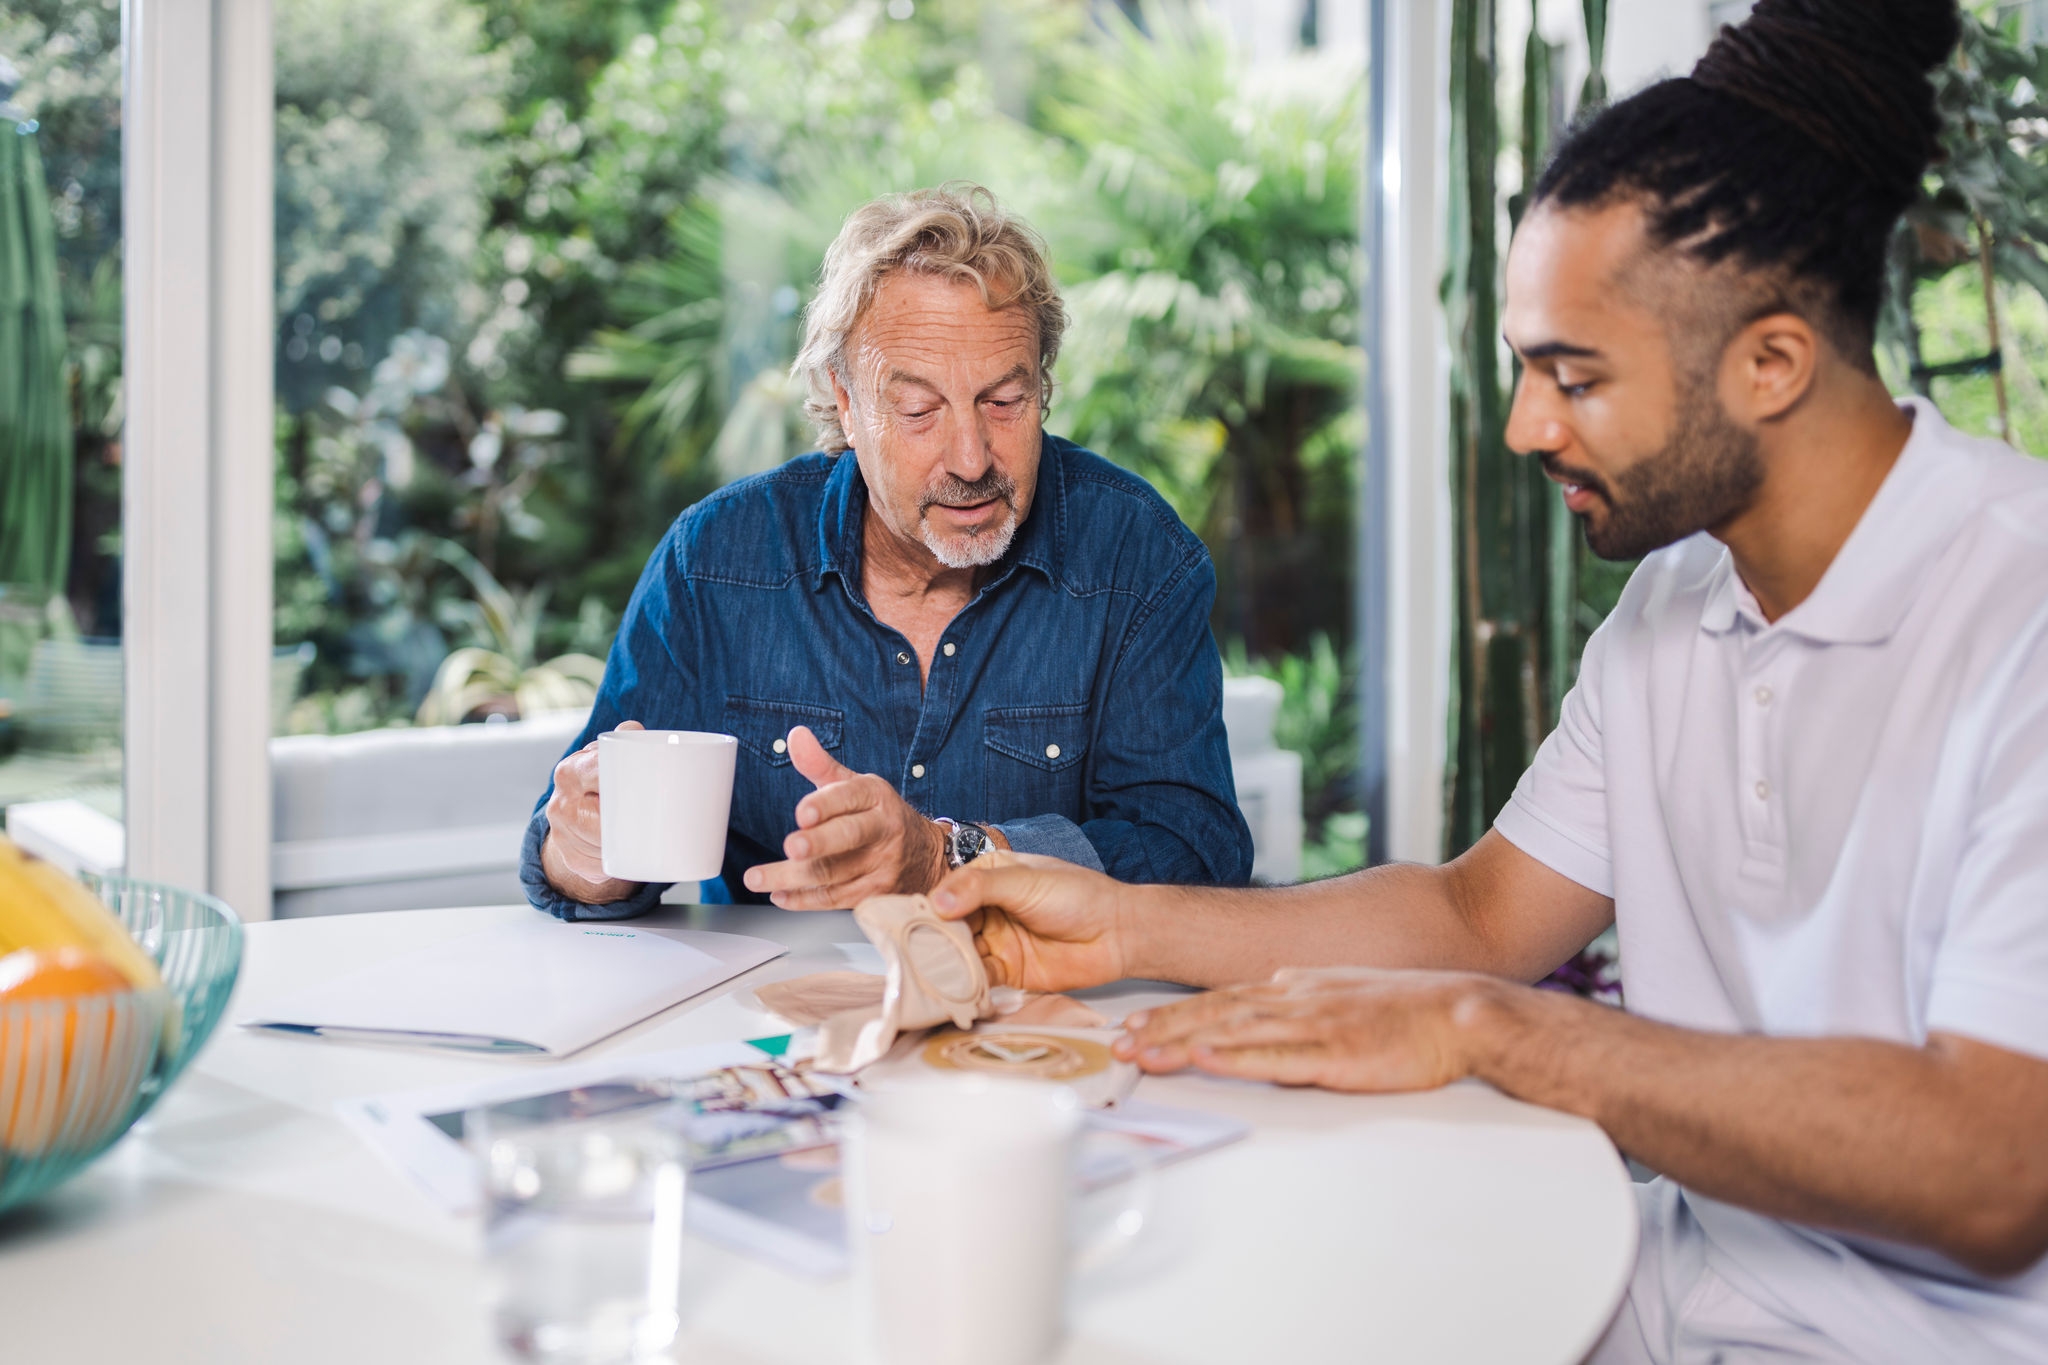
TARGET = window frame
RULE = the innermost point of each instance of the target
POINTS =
(197, 447)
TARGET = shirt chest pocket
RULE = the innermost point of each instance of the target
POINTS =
(767, 785)
(762, 727)
(1034, 759)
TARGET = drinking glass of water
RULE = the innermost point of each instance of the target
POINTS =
(583, 1232)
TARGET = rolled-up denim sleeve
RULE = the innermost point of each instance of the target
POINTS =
(1163, 802)
(543, 896)
(1055, 836)
(642, 681)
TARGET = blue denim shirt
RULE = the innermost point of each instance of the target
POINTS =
(1076, 702)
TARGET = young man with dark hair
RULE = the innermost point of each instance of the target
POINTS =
(1804, 770)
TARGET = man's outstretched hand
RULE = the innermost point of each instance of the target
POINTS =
(1341, 1028)
(854, 838)
(1041, 924)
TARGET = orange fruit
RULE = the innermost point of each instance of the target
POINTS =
(74, 1039)
(31, 974)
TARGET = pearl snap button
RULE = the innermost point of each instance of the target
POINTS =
(1763, 696)
(1052, 751)
(917, 770)
(781, 746)
(1763, 791)
(901, 657)
(949, 649)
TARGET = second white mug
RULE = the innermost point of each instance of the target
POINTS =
(959, 1214)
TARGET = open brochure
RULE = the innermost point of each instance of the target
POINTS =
(538, 986)
(762, 1140)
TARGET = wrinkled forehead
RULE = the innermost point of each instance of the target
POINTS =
(924, 320)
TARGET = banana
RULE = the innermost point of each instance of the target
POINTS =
(28, 917)
(96, 925)
(40, 907)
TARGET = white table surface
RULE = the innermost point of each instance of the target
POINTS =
(241, 1224)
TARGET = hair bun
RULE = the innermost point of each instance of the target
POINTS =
(1849, 74)
(1924, 31)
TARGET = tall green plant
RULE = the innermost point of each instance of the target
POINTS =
(1521, 617)
(35, 414)
(1493, 647)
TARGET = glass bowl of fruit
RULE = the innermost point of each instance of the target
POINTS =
(108, 987)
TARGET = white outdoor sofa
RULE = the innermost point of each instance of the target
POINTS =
(411, 818)
(406, 819)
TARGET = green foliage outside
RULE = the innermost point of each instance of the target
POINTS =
(1319, 720)
(385, 114)
(66, 52)
(541, 268)
(35, 421)
(652, 240)
(1967, 318)
(541, 265)
(1529, 591)
(1950, 316)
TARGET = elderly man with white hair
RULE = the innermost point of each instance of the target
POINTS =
(946, 632)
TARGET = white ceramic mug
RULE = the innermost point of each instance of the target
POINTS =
(663, 798)
(960, 1199)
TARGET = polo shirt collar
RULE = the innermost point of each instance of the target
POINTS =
(1040, 542)
(1874, 578)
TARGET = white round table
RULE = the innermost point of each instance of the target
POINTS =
(242, 1224)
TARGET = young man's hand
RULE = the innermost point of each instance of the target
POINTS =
(1041, 924)
(855, 837)
(1341, 1028)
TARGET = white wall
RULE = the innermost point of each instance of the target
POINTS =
(1648, 40)
(1271, 29)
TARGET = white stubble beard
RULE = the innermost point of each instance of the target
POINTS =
(969, 550)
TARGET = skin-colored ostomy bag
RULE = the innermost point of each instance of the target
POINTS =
(932, 975)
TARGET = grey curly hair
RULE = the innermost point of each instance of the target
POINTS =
(956, 231)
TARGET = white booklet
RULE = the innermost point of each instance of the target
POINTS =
(541, 986)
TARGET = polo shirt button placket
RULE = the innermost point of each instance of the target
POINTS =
(1764, 814)
(1753, 749)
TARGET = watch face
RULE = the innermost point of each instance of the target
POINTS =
(968, 843)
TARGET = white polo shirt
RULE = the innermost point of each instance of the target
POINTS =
(1833, 824)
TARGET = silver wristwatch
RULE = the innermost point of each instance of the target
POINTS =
(965, 841)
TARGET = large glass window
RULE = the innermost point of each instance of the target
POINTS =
(541, 268)
(60, 406)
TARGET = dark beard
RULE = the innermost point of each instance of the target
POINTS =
(1705, 474)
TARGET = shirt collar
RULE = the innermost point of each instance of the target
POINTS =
(1877, 573)
(1040, 542)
